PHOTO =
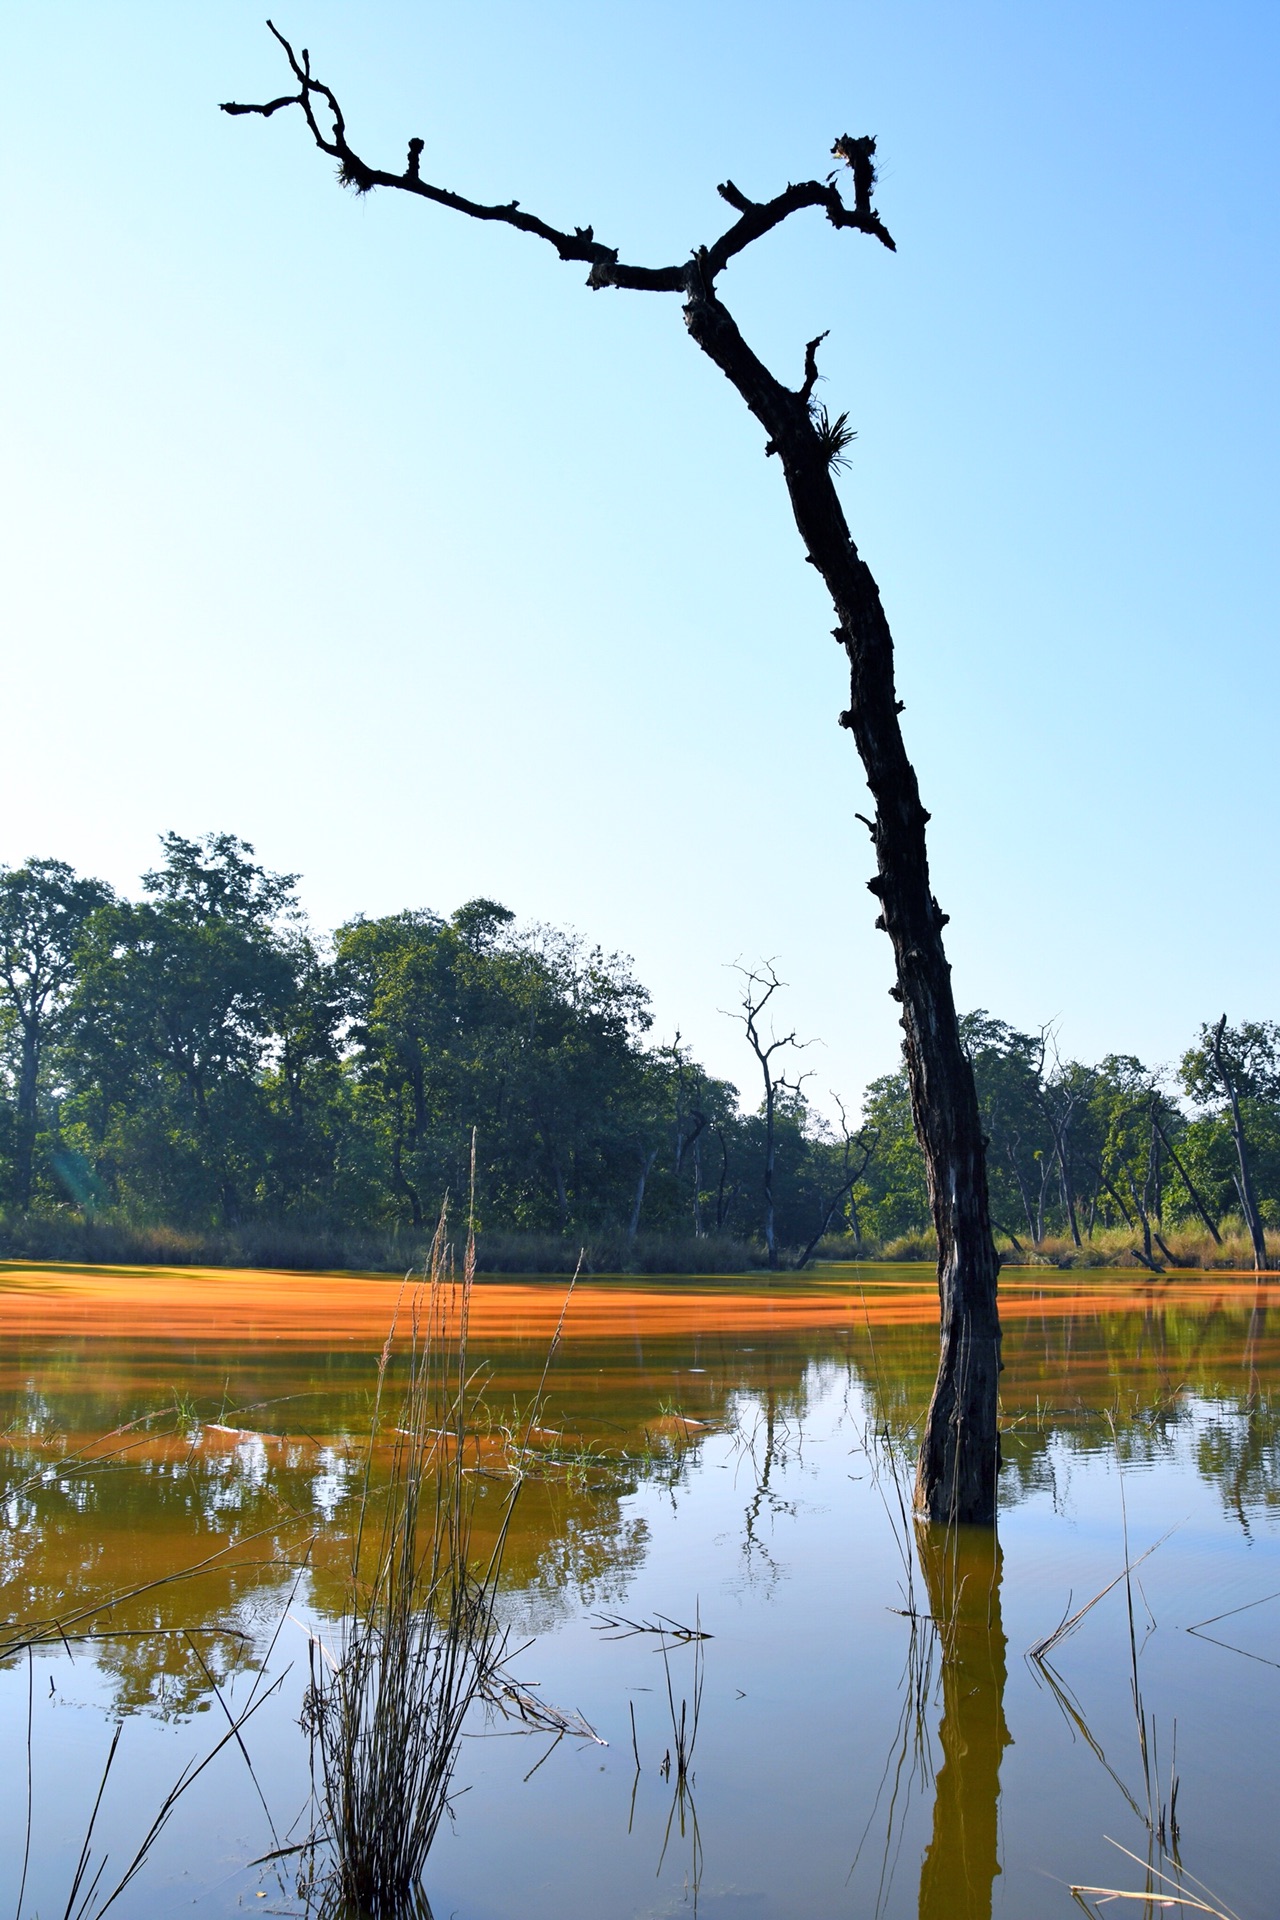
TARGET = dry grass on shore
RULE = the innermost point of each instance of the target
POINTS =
(64, 1237)
(1190, 1245)
(56, 1238)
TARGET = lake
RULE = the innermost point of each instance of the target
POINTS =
(875, 1737)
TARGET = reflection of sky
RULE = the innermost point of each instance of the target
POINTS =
(330, 1483)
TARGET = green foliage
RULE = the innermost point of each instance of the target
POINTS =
(44, 908)
(1250, 1056)
(895, 1196)
(197, 1063)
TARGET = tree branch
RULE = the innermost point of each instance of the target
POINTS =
(607, 270)
(811, 367)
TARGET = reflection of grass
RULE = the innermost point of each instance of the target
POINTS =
(92, 1894)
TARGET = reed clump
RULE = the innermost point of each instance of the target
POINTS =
(419, 1641)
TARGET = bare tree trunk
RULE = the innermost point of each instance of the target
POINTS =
(1060, 1133)
(960, 1448)
(759, 986)
(770, 1228)
(697, 1189)
(724, 1175)
(646, 1168)
(28, 1111)
(1152, 1190)
(960, 1451)
(1047, 1164)
(1187, 1181)
(1125, 1214)
(852, 1175)
(1244, 1174)
(1141, 1254)
(1144, 1218)
(1009, 1234)
(1012, 1144)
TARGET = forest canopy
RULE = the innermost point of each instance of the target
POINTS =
(199, 1061)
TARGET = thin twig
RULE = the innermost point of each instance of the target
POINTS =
(1065, 1627)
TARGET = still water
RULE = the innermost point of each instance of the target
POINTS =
(876, 1736)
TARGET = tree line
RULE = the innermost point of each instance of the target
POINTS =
(199, 1059)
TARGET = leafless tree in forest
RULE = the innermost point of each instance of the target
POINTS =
(759, 984)
(959, 1456)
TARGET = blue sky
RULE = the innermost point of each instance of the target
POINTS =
(368, 533)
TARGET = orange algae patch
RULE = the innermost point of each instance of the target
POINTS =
(309, 1309)
(315, 1309)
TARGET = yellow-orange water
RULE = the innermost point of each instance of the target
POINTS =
(228, 1304)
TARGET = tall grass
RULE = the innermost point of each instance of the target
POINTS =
(420, 1640)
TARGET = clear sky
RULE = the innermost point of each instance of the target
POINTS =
(366, 532)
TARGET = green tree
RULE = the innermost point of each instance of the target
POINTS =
(532, 1040)
(44, 907)
(897, 1193)
(1234, 1074)
(1127, 1145)
(174, 1022)
(1007, 1068)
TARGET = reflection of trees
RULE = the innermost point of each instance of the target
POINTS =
(767, 1443)
(160, 1673)
(1161, 1372)
(1237, 1452)
(1172, 1374)
(82, 1520)
(586, 1560)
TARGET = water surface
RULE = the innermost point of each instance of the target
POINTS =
(720, 1449)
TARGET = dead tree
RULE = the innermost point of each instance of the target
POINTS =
(1059, 1121)
(959, 1455)
(759, 985)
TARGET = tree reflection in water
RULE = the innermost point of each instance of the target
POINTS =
(961, 1569)
(957, 1648)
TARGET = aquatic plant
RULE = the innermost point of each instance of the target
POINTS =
(419, 1642)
